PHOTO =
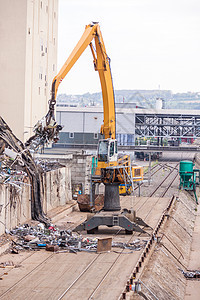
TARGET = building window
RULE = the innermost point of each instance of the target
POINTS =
(54, 15)
(41, 44)
(40, 74)
(54, 41)
(71, 135)
(46, 9)
(41, 4)
(39, 91)
(95, 136)
(53, 67)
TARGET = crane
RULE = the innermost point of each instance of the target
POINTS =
(111, 170)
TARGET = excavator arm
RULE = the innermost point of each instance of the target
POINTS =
(102, 65)
(47, 129)
(109, 168)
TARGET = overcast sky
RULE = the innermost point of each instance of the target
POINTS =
(151, 43)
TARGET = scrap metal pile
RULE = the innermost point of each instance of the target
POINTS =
(16, 163)
(52, 239)
(46, 165)
(191, 274)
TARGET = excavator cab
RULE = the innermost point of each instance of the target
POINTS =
(107, 150)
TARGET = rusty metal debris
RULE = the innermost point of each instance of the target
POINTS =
(52, 248)
(84, 202)
(104, 244)
(136, 245)
(52, 239)
(7, 264)
(193, 274)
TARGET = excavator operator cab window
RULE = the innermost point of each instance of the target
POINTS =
(103, 150)
(112, 149)
(115, 146)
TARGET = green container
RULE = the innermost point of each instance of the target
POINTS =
(184, 167)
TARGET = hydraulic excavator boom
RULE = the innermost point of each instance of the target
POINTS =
(109, 168)
(102, 65)
(107, 147)
(47, 128)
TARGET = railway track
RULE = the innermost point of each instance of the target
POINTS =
(174, 170)
(133, 235)
(95, 260)
(146, 209)
(155, 170)
(141, 261)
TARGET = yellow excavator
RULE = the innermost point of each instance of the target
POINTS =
(112, 170)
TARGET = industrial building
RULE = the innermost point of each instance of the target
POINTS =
(28, 61)
(82, 125)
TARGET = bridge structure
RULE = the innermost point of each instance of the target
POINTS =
(167, 123)
(140, 148)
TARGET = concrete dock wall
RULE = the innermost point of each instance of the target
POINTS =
(15, 204)
(80, 165)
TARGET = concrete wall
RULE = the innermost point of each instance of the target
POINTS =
(15, 206)
(57, 188)
(79, 164)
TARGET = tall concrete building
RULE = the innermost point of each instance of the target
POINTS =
(28, 61)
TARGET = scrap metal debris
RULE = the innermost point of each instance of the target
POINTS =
(14, 178)
(7, 264)
(136, 245)
(45, 132)
(59, 241)
(191, 274)
(45, 165)
(18, 155)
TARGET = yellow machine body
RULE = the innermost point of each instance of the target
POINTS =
(110, 168)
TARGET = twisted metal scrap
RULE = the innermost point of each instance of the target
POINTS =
(11, 141)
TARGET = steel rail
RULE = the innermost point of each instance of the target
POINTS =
(150, 242)
(88, 266)
(147, 249)
(25, 276)
(159, 186)
(160, 165)
(170, 184)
